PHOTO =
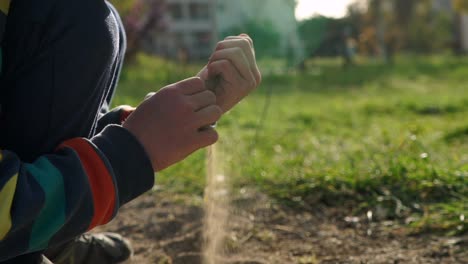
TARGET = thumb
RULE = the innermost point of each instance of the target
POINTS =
(203, 74)
(148, 96)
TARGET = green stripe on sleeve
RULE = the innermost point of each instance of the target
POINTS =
(4, 6)
(6, 198)
(52, 216)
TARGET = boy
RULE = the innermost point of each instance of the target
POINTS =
(65, 167)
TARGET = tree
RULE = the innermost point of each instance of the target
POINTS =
(461, 5)
(404, 11)
(141, 19)
(123, 6)
(313, 33)
(264, 34)
(390, 26)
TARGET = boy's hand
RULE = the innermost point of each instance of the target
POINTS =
(175, 121)
(232, 71)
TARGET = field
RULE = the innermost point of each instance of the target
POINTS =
(361, 155)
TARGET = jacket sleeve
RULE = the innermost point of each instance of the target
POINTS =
(115, 116)
(63, 194)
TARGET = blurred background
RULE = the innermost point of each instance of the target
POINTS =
(296, 30)
(363, 106)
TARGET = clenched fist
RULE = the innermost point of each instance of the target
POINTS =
(174, 122)
(232, 71)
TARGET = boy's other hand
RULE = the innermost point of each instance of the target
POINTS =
(232, 71)
(174, 122)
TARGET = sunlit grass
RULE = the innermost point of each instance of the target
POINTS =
(369, 136)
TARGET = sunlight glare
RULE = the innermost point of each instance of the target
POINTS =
(335, 8)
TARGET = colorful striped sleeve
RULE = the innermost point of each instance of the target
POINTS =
(64, 194)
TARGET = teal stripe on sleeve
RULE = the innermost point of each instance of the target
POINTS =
(52, 216)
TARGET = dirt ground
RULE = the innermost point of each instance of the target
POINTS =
(168, 229)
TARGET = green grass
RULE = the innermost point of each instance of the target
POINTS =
(371, 136)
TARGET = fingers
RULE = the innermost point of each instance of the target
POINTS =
(208, 115)
(204, 110)
(206, 133)
(229, 73)
(207, 136)
(221, 67)
(238, 59)
(243, 36)
(202, 99)
(245, 43)
(203, 74)
(190, 86)
(148, 96)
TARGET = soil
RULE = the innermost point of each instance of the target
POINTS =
(167, 228)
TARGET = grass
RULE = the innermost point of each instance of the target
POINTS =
(367, 137)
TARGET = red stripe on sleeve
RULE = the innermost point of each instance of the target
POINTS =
(100, 180)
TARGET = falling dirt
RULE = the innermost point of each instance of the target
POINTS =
(216, 204)
(168, 228)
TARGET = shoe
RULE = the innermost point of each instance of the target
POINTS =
(98, 248)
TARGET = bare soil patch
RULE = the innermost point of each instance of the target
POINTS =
(166, 228)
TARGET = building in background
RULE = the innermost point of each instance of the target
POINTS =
(445, 5)
(193, 27)
(190, 30)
